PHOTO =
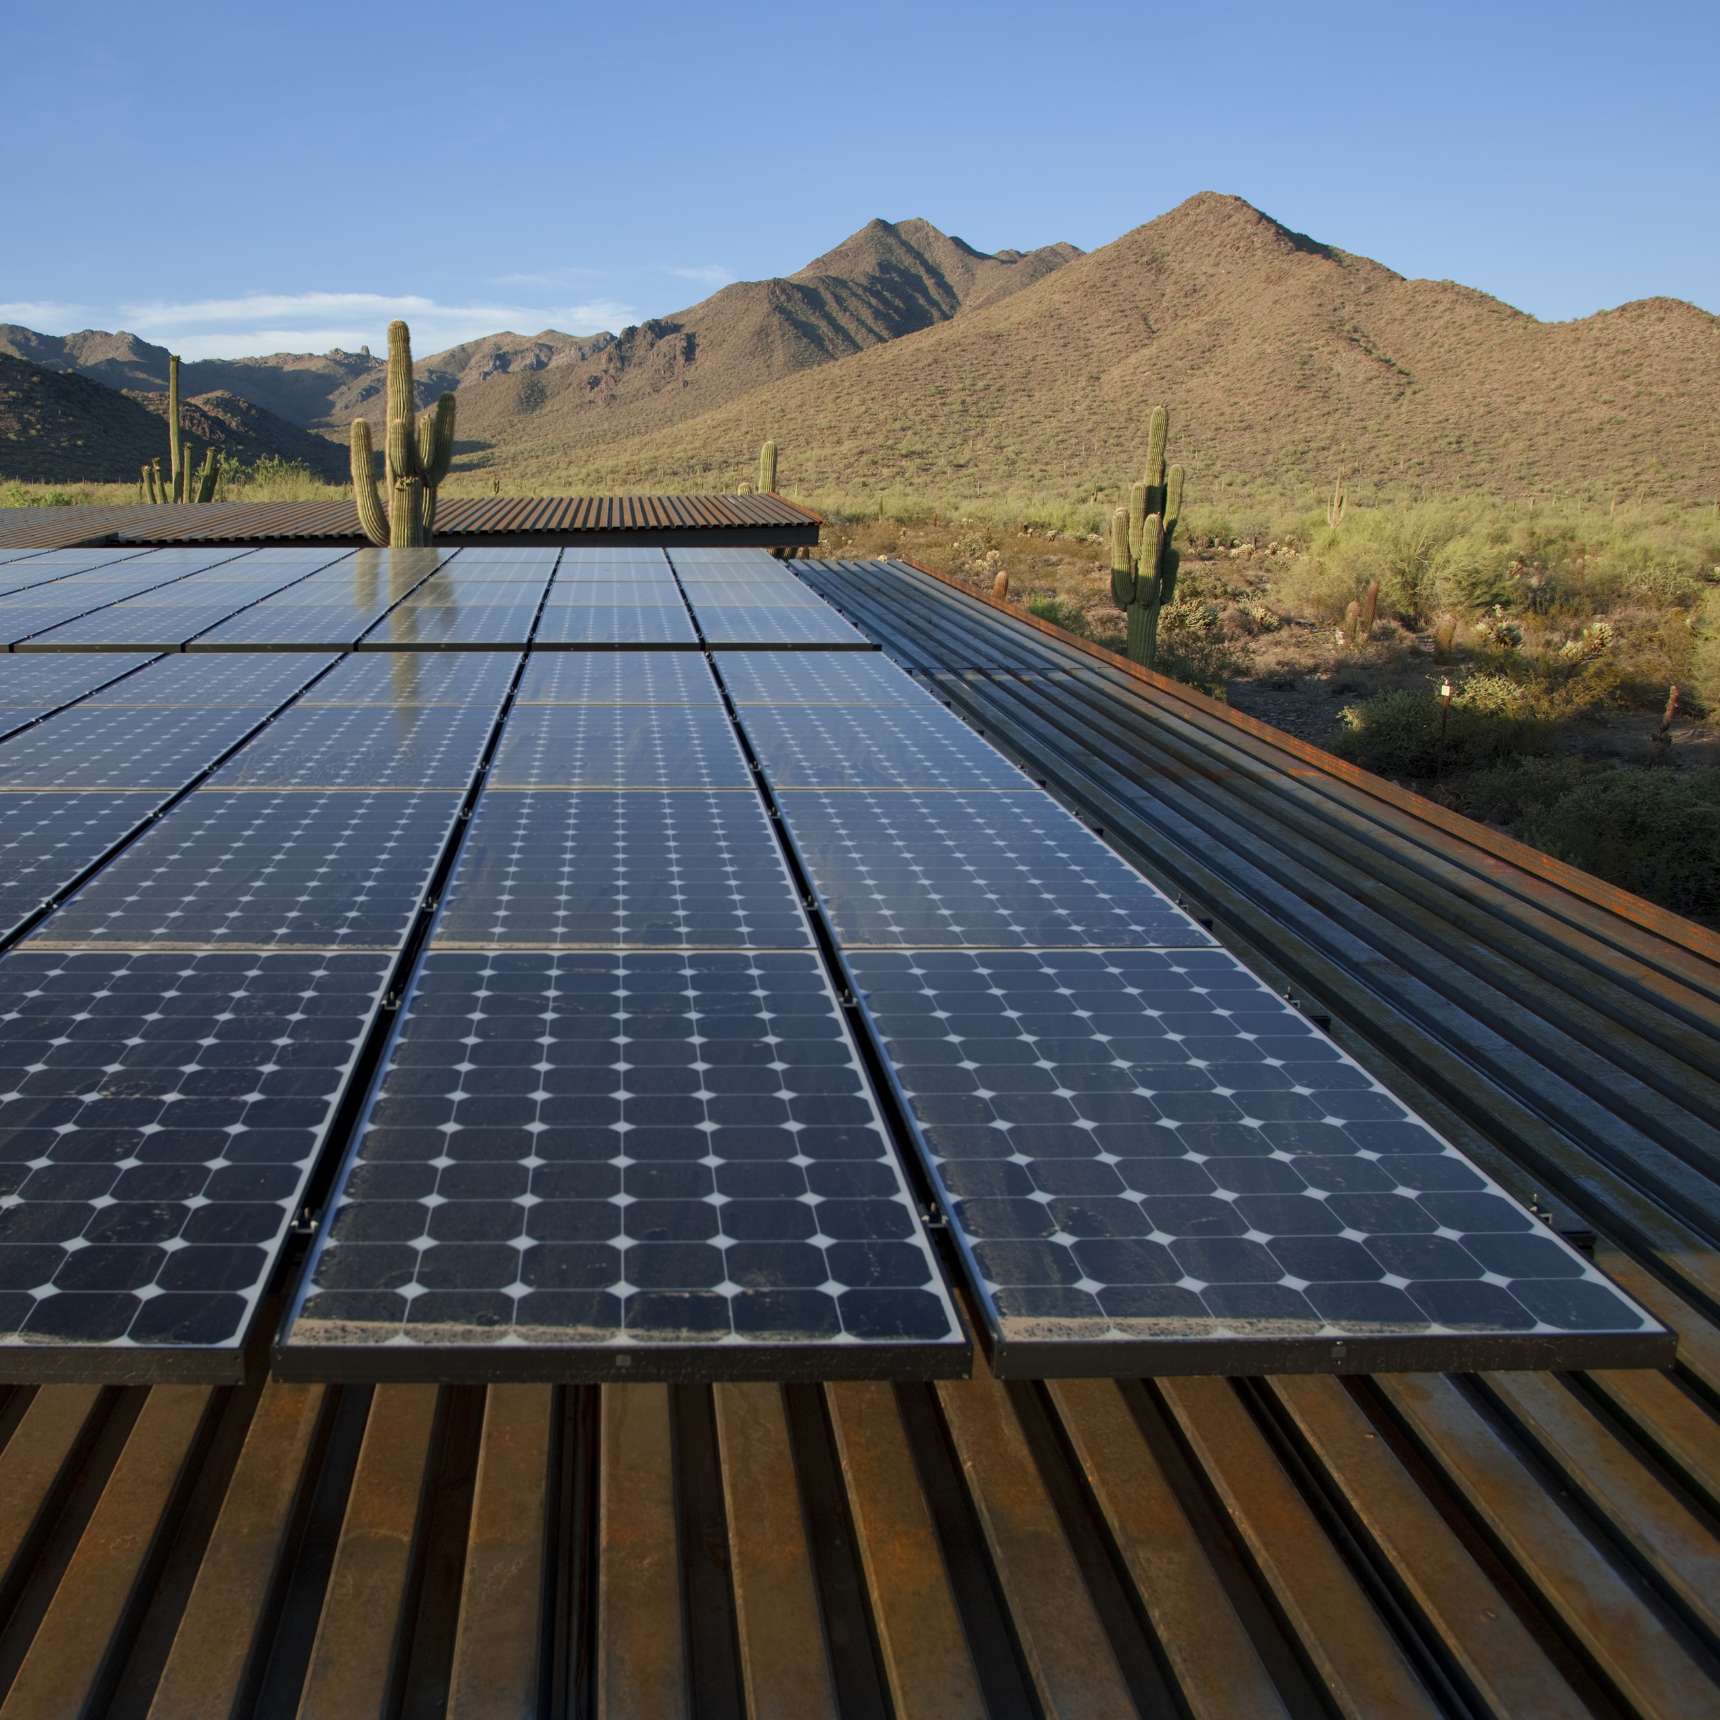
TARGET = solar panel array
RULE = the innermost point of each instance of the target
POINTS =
(623, 1124)
(1150, 1162)
(178, 1036)
(620, 957)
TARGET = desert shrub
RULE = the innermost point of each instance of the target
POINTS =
(1400, 547)
(274, 479)
(1704, 673)
(1060, 612)
(1475, 572)
(1653, 831)
(1399, 734)
(1193, 647)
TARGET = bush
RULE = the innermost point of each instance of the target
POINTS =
(1399, 734)
(1652, 831)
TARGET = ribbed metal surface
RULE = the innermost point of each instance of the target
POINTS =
(1512, 1544)
(764, 520)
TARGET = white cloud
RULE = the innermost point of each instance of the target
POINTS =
(257, 323)
(46, 316)
(706, 274)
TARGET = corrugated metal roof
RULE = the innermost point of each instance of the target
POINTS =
(1511, 1544)
(766, 520)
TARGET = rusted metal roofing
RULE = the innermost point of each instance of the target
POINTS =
(764, 520)
(1507, 1544)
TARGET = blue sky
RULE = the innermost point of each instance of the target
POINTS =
(235, 179)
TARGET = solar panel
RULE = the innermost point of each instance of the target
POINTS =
(167, 616)
(405, 678)
(160, 1114)
(93, 746)
(583, 1165)
(1154, 1165)
(886, 747)
(639, 623)
(618, 678)
(777, 624)
(615, 593)
(618, 746)
(676, 870)
(330, 610)
(443, 616)
(50, 838)
(20, 569)
(267, 871)
(1010, 871)
(821, 678)
(31, 687)
(352, 747)
(29, 613)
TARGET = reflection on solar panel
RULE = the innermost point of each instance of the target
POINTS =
(618, 678)
(919, 747)
(618, 746)
(31, 687)
(644, 1166)
(1155, 1166)
(332, 609)
(21, 569)
(678, 870)
(407, 678)
(267, 871)
(834, 678)
(446, 615)
(160, 1114)
(1011, 871)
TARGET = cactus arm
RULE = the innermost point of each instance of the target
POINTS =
(767, 468)
(1137, 519)
(436, 441)
(205, 487)
(1122, 561)
(1150, 596)
(370, 515)
(1173, 500)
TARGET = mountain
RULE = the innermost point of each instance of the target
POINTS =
(1282, 359)
(884, 282)
(57, 426)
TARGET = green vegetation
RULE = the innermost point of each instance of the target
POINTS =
(767, 469)
(417, 456)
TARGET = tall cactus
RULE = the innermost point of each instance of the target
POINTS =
(1335, 507)
(175, 432)
(416, 457)
(1143, 558)
(767, 469)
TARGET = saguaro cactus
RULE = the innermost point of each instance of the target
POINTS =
(416, 457)
(1143, 558)
(767, 469)
(175, 432)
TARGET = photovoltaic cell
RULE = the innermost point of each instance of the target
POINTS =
(478, 615)
(989, 870)
(618, 746)
(677, 870)
(158, 1117)
(704, 1190)
(1153, 1165)
(407, 678)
